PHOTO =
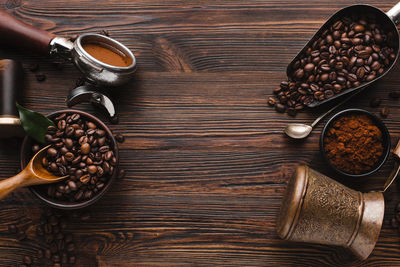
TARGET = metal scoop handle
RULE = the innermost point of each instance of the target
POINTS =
(17, 33)
(394, 13)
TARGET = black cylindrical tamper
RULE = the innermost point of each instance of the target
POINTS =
(11, 83)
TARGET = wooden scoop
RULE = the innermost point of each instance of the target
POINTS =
(33, 174)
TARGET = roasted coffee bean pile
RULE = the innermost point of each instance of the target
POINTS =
(57, 245)
(352, 51)
(61, 246)
(80, 149)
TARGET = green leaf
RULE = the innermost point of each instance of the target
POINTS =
(34, 123)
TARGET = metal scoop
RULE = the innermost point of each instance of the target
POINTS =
(33, 174)
(14, 32)
(387, 20)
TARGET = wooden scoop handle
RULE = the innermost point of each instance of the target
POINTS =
(9, 185)
(14, 32)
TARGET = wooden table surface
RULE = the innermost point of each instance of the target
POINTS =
(205, 156)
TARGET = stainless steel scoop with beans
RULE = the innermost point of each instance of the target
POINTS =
(16, 33)
(358, 45)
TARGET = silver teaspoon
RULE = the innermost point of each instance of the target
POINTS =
(301, 131)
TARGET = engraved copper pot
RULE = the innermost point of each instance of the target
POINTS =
(317, 209)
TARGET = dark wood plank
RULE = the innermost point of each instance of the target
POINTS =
(205, 156)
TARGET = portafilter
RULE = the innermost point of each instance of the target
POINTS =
(17, 33)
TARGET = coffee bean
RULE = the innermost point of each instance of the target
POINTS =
(69, 156)
(79, 133)
(299, 73)
(33, 67)
(51, 152)
(100, 133)
(114, 120)
(12, 228)
(83, 139)
(121, 173)
(385, 112)
(280, 108)
(27, 260)
(85, 217)
(90, 131)
(75, 117)
(40, 77)
(78, 196)
(61, 125)
(309, 67)
(56, 258)
(70, 131)
(91, 125)
(39, 254)
(85, 148)
(92, 169)
(394, 94)
(375, 102)
(85, 179)
(272, 101)
(71, 260)
(21, 235)
(104, 149)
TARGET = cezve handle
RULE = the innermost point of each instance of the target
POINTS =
(396, 169)
(14, 32)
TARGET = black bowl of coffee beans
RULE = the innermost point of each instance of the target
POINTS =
(82, 147)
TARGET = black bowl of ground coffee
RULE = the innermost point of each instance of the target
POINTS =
(84, 148)
(355, 143)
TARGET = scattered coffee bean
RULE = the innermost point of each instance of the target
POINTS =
(33, 67)
(40, 254)
(104, 32)
(350, 52)
(121, 173)
(394, 94)
(272, 101)
(12, 229)
(40, 77)
(280, 108)
(114, 120)
(385, 112)
(58, 65)
(21, 235)
(27, 260)
(120, 138)
(35, 148)
(74, 37)
(85, 217)
(375, 102)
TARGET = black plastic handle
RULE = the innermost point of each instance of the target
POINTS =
(11, 83)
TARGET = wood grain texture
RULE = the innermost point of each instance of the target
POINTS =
(205, 156)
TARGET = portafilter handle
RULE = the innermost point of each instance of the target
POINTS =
(17, 33)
